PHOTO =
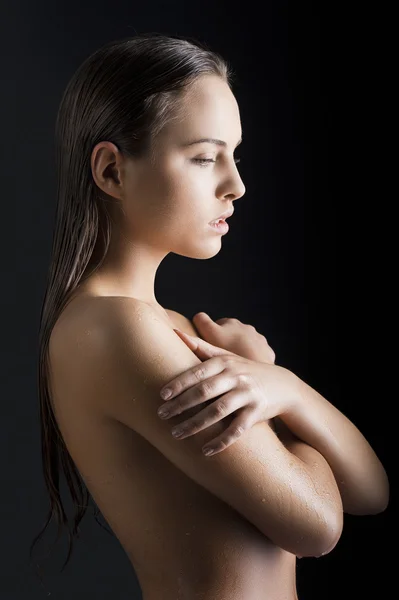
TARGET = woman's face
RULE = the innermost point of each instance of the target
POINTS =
(167, 204)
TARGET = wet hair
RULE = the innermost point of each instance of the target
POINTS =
(125, 93)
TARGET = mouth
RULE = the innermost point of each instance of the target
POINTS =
(223, 216)
(219, 225)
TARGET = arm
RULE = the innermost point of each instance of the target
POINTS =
(360, 476)
(293, 500)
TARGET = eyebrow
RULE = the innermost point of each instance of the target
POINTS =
(210, 141)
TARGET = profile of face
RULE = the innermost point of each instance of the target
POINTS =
(166, 203)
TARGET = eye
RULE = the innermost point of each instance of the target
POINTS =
(203, 162)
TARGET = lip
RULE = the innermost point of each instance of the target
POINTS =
(224, 215)
(222, 228)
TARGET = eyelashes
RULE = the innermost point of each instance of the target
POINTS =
(204, 162)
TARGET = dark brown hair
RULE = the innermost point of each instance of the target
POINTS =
(125, 92)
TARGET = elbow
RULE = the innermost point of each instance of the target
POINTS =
(379, 506)
(324, 537)
(380, 499)
(332, 531)
(372, 502)
(364, 508)
(329, 541)
(319, 546)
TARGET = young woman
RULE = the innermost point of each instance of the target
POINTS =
(146, 134)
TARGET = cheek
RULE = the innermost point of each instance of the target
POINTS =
(184, 199)
(176, 195)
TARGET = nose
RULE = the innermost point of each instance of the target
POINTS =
(239, 189)
(243, 189)
(239, 184)
(233, 185)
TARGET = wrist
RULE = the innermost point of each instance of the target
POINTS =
(293, 394)
(282, 386)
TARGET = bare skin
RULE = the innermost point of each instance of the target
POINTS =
(183, 542)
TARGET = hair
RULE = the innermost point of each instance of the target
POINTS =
(125, 92)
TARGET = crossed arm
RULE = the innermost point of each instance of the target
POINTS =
(360, 476)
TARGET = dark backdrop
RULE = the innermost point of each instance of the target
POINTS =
(299, 263)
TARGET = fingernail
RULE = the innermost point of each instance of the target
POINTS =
(177, 432)
(208, 451)
(183, 333)
(166, 393)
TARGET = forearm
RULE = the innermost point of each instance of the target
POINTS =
(360, 476)
(304, 513)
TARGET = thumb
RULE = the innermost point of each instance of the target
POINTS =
(202, 320)
(201, 348)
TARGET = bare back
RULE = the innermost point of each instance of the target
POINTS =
(182, 541)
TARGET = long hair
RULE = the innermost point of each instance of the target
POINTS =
(125, 92)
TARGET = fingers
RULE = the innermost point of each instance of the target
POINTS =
(210, 388)
(208, 416)
(230, 435)
(186, 380)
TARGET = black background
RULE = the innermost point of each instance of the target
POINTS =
(305, 260)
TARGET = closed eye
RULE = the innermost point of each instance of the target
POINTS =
(203, 162)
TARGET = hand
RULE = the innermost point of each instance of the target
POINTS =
(257, 390)
(235, 336)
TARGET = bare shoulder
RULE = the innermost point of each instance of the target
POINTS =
(88, 315)
(91, 328)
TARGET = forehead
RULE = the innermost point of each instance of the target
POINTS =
(207, 109)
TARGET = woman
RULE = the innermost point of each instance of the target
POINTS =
(146, 134)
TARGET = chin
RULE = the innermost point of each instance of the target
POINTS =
(201, 251)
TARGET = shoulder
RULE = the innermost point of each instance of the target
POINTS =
(94, 319)
(93, 327)
(100, 337)
(110, 348)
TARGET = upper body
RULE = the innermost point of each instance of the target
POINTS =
(146, 165)
(189, 524)
(185, 523)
